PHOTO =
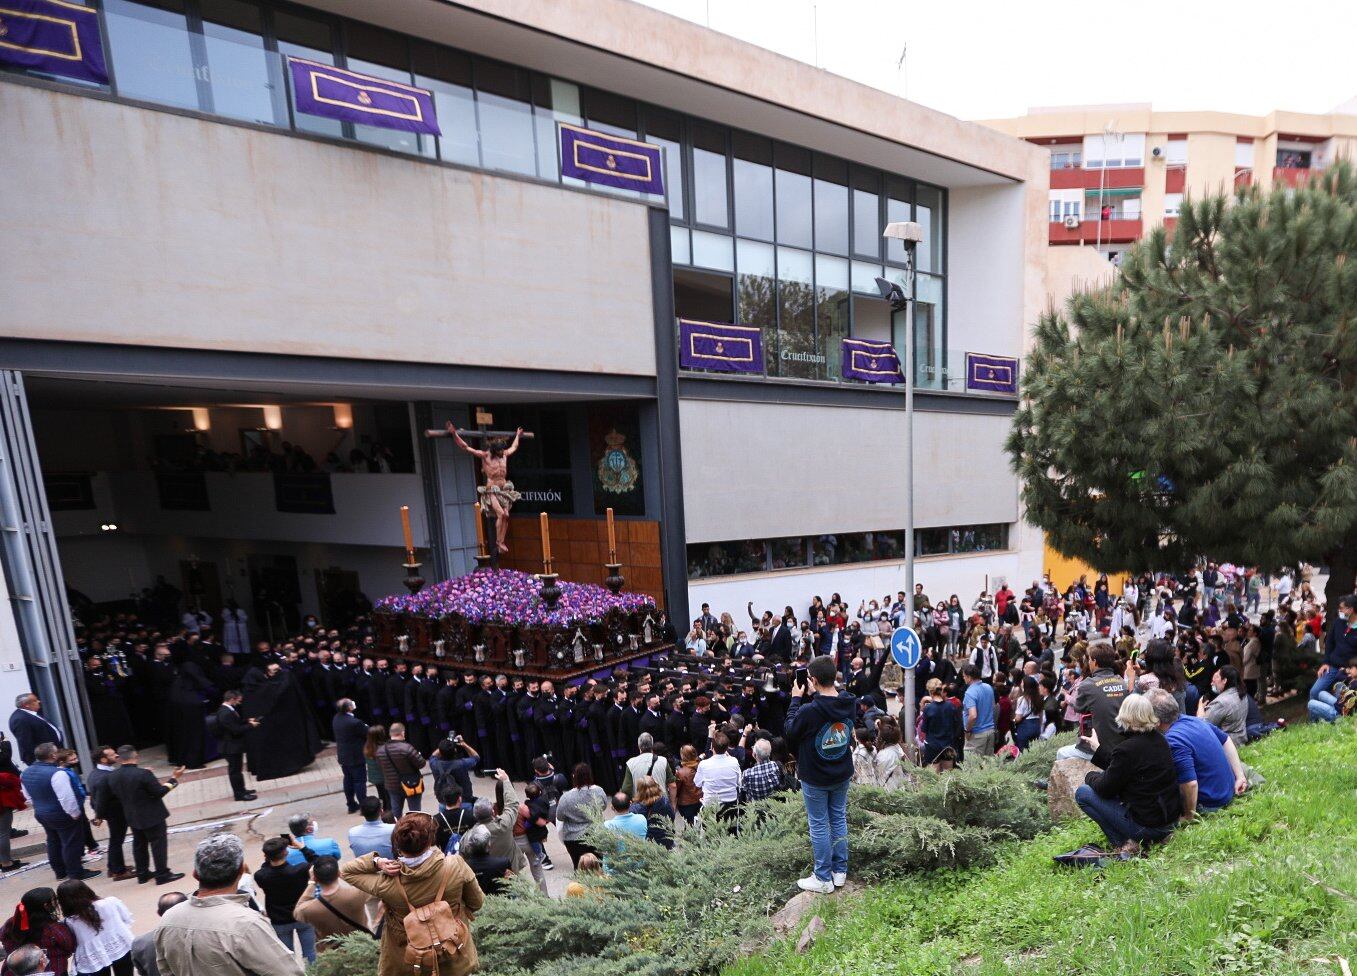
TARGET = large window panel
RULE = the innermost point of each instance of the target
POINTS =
(831, 205)
(793, 196)
(238, 71)
(832, 300)
(666, 130)
(799, 354)
(381, 54)
(756, 295)
(713, 251)
(504, 106)
(788, 553)
(930, 358)
(867, 213)
(554, 101)
(313, 40)
(151, 52)
(615, 115)
(702, 295)
(447, 73)
(928, 212)
(711, 200)
(753, 179)
(899, 207)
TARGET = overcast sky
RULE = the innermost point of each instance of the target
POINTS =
(984, 59)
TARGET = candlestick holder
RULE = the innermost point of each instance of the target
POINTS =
(615, 578)
(484, 560)
(550, 592)
(413, 581)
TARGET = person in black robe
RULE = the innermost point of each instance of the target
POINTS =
(617, 734)
(465, 720)
(362, 691)
(445, 704)
(141, 704)
(600, 752)
(112, 723)
(191, 697)
(285, 741)
(395, 694)
(377, 694)
(579, 723)
(527, 727)
(548, 723)
(428, 708)
(226, 674)
(483, 712)
(631, 723)
(500, 720)
(517, 745)
(417, 731)
(159, 680)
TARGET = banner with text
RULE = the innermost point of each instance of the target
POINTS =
(718, 345)
(991, 374)
(53, 36)
(333, 93)
(871, 361)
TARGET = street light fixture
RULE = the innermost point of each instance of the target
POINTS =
(909, 233)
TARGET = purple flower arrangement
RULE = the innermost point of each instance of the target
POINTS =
(507, 596)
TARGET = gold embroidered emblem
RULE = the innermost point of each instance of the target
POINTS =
(720, 349)
(872, 363)
(364, 98)
(618, 472)
(4, 28)
(612, 161)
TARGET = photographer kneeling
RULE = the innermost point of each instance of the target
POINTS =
(1136, 797)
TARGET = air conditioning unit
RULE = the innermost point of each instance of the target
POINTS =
(1072, 222)
(1157, 153)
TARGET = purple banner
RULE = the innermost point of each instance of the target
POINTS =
(717, 345)
(333, 93)
(611, 160)
(54, 37)
(992, 374)
(871, 362)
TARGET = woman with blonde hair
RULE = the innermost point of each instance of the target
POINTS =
(590, 869)
(1135, 798)
(420, 874)
(650, 801)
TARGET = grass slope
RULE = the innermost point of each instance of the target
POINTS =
(1225, 896)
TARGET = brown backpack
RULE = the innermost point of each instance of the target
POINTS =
(435, 934)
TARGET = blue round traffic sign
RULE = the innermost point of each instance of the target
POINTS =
(906, 647)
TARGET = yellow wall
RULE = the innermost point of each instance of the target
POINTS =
(1065, 571)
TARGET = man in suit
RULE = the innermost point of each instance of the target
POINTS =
(231, 729)
(108, 810)
(780, 641)
(351, 734)
(142, 798)
(29, 727)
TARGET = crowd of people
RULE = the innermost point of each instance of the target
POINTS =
(1163, 682)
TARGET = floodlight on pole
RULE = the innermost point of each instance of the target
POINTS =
(909, 231)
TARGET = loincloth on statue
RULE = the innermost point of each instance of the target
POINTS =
(505, 493)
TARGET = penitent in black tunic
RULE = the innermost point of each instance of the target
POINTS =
(286, 740)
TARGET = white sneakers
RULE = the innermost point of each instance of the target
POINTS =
(815, 884)
(840, 878)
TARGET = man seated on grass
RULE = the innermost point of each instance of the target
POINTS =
(1210, 773)
(1340, 698)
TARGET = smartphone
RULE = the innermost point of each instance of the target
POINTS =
(1085, 725)
(802, 677)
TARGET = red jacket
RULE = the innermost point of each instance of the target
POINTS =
(11, 794)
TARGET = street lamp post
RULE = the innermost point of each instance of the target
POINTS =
(909, 233)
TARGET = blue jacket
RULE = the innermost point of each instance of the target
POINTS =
(1340, 646)
(821, 732)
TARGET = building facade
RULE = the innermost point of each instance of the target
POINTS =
(229, 322)
(1117, 171)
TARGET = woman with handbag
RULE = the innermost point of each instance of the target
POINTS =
(430, 899)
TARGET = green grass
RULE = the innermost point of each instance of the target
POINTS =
(1226, 896)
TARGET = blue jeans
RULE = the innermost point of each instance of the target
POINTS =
(1026, 731)
(355, 785)
(1115, 820)
(1323, 707)
(399, 800)
(306, 935)
(827, 813)
(65, 843)
(1326, 681)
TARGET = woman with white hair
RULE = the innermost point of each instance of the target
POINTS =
(1135, 798)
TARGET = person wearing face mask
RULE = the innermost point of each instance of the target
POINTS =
(1339, 646)
(1227, 711)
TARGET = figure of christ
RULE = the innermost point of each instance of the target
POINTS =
(497, 494)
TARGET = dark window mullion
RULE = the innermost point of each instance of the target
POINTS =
(193, 20)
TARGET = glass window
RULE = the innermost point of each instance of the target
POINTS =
(726, 558)
(447, 73)
(1066, 158)
(680, 245)
(702, 296)
(851, 547)
(554, 101)
(898, 208)
(666, 130)
(713, 251)
(383, 55)
(787, 553)
(928, 212)
(931, 542)
(238, 68)
(753, 178)
(831, 205)
(873, 319)
(150, 50)
(1293, 158)
(606, 112)
(799, 354)
(831, 311)
(314, 41)
(1173, 202)
(502, 101)
(1243, 154)
(757, 295)
(867, 213)
(711, 204)
(793, 196)
(888, 545)
(864, 278)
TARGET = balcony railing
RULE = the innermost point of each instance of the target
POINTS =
(1091, 230)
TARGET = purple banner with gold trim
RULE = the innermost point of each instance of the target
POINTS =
(871, 362)
(52, 36)
(718, 345)
(333, 93)
(611, 160)
(991, 374)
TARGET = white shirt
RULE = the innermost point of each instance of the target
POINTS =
(65, 793)
(1159, 626)
(719, 779)
(98, 950)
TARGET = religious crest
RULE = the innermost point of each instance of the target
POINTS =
(4, 28)
(364, 98)
(612, 161)
(720, 349)
(872, 362)
(617, 470)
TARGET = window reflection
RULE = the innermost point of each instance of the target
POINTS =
(799, 355)
(753, 179)
(312, 40)
(793, 196)
(150, 50)
(867, 213)
(502, 100)
(554, 101)
(665, 130)
(832, 301)
(382, 55)
(448, 75)
(831, 205)
(757, 295)
(710, 198)
(238, 68)
(928, 212)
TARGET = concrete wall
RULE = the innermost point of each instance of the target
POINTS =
(1075, 268)
(150, 228)
(770, 479)
(986, 269)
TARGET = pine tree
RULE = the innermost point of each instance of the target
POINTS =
(1206, 402)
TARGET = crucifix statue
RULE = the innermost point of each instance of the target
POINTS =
(497, 494)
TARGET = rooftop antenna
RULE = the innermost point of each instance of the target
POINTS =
(900, 70)
(815, 30)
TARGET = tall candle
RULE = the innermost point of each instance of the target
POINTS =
(480, 528)
(612, 537)
(405, 525)
(546, 539)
